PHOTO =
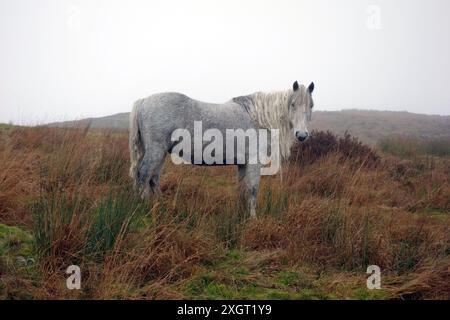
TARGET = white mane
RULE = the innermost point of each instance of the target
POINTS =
(271, 111)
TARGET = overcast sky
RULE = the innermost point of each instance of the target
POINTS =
(62, 59)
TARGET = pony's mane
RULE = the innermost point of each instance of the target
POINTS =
(271, 111)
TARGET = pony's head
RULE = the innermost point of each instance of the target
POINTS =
(300, 108)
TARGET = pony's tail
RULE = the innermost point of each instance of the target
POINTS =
(135, 143)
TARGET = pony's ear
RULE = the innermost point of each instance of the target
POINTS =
(311, 87)
(295, 86)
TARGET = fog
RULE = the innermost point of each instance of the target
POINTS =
(62, 60)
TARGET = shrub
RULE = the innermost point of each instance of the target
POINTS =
(321, 144)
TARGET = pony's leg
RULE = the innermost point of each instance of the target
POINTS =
(249, 176)
(150, 169)
(154, 180)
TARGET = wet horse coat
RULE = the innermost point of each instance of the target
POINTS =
(154, 119)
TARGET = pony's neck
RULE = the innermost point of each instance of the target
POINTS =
(270, 111)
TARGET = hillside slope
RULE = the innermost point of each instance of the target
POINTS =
(369, 126)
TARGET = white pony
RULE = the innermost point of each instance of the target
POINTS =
(154, 119)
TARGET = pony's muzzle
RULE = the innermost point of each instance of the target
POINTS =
(302, 136)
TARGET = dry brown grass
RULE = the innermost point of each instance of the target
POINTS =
(340, 208)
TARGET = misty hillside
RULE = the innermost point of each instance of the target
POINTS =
(368, 126)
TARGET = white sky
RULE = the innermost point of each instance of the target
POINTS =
(62, 59)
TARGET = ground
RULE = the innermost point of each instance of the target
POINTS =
(65, 198)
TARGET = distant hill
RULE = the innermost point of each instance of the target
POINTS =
(369, 126)
(115, 121)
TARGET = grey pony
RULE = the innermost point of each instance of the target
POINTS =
(154, 119)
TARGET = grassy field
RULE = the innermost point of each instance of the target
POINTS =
(65, 198)
(407, 147)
